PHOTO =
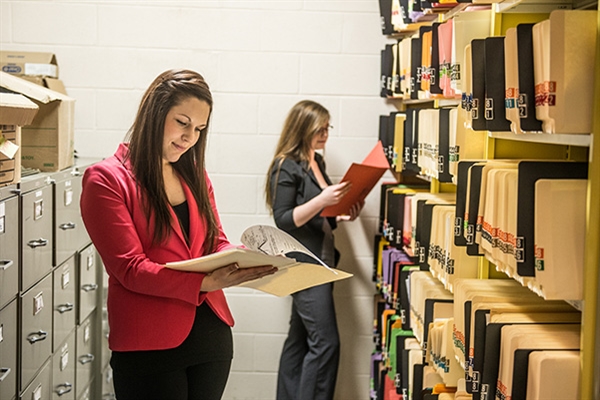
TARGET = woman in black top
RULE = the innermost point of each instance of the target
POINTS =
(297, 190)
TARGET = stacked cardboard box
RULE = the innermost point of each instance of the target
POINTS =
(48, 142)
(15, 111)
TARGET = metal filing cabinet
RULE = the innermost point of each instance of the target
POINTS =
(8, 351)
(69, 232)
(63, 370)
(41, 386)
(65, 292)
(36, 229)
(88, 282)
(36, 329)
(86, 354)
(9, 244)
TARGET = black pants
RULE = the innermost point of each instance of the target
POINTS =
(310, 357)
(197, 369)
(202, 382)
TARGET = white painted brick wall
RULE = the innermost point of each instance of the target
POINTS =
(260, 58)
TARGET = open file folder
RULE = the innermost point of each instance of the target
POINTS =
(267, 245)
(363, 178)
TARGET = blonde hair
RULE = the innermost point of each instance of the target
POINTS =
(302, 123)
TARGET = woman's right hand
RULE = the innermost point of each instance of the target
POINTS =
(232, 275)
(333, 194)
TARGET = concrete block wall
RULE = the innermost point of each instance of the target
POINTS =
(259, 57)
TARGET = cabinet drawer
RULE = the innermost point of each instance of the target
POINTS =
(8, 351)
(36, 329)
(41, 386)
(36, 223)
(86, 358)
(88, 282)
(9, 247)
(63, 370)
(65, 291)
(70, 233)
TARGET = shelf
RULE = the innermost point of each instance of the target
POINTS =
(557, 138)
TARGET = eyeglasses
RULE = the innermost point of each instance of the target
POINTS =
(324, 129)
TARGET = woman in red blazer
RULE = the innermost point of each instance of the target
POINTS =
(150, 204)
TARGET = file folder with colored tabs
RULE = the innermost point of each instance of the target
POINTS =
(525, 61)
(461, 291)
(445, 53)
(398, 147)
(517, 311)
(529, 173)
(461, 201)
(403, 354)
(363, 178)
(434, 71)
(422, 287)
(446, 132)
(478, 68)
(544, 89)
(468, 25)
(511, 84)
(386, 137)
(387, 62)
(544, 337)
(404, 294)
(426, 63)
(465, 144)
(488, 198)
(495, 115)
(429, 125)
(491, 363)
(553, 375)
(395, 69)
(573, 36)
(473, 296)
(472, 208)
(415, 67)
(414, 246)
(405, 62)
(560, 215)
(385, 11)
(466, 103)
(423, 232)
(411, 141)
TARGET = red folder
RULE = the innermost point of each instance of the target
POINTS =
(364, 177)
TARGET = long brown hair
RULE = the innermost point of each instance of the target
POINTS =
(302, 123)
(145, 151)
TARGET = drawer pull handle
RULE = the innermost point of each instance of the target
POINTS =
(63, 388)
(5, 372)
(63, 308)
(37, 336)
(5, 264)
(86, 359)
(37, 243)
(67, 225)
(88, 287)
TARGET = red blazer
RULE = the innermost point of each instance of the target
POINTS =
(150, 307)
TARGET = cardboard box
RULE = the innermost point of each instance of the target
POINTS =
(15, 111)
(47, 143)
(29, 63)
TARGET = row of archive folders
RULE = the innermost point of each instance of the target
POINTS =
(537, 77)
(491, 339)
(429, 142)
(526, 217)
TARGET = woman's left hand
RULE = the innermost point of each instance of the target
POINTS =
(353, 213)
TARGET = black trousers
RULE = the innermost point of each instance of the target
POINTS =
(197, 369)
(309, 361)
